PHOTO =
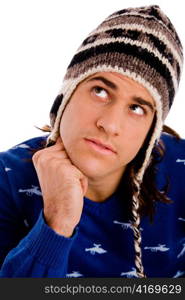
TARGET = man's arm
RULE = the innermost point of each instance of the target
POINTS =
(43, 252)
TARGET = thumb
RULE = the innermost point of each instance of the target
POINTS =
(56, 145)
(59, 140)
(84, 184)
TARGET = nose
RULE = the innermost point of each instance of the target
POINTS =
(111, 120)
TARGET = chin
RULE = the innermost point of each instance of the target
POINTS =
(90, 168)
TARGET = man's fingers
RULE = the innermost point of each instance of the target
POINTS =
(59, 140)
(57, 146)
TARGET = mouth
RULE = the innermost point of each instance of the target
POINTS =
(100, 147)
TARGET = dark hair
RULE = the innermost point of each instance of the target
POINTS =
(148, 196)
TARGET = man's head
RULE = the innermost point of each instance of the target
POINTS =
(139, 43)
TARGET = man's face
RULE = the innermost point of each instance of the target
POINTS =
(105, 124)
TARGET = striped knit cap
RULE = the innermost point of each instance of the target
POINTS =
(140, 43)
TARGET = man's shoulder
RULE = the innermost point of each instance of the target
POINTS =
(173, 160)
(171, 168)
(23, 150)
(173, 145)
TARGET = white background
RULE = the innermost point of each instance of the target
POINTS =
(37, 41)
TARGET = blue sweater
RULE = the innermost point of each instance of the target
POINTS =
(102, 243)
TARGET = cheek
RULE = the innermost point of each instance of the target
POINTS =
(78, 115)
(134, 138)
(74, 122)
(67, 125)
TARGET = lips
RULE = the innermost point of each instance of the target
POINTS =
(102, 145)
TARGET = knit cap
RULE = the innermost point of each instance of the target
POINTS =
(142, 44)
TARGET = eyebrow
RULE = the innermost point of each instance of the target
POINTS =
(141, 101)
(113, 86)
(105, 81)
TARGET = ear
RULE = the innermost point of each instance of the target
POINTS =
(54, 109)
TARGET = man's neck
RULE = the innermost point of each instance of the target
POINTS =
(100, 189)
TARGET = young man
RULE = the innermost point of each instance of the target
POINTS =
(78, 207)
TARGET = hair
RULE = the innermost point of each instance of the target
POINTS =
(149, 193)
(147, 196)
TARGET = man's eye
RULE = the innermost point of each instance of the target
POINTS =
(137, 109)
(100, 92)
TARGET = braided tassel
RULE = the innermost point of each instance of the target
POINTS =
(137, 235)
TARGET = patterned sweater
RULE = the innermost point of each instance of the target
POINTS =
(102, 243)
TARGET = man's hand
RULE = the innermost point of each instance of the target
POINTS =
(63, 186)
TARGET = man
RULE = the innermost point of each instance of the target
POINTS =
(77, 208)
